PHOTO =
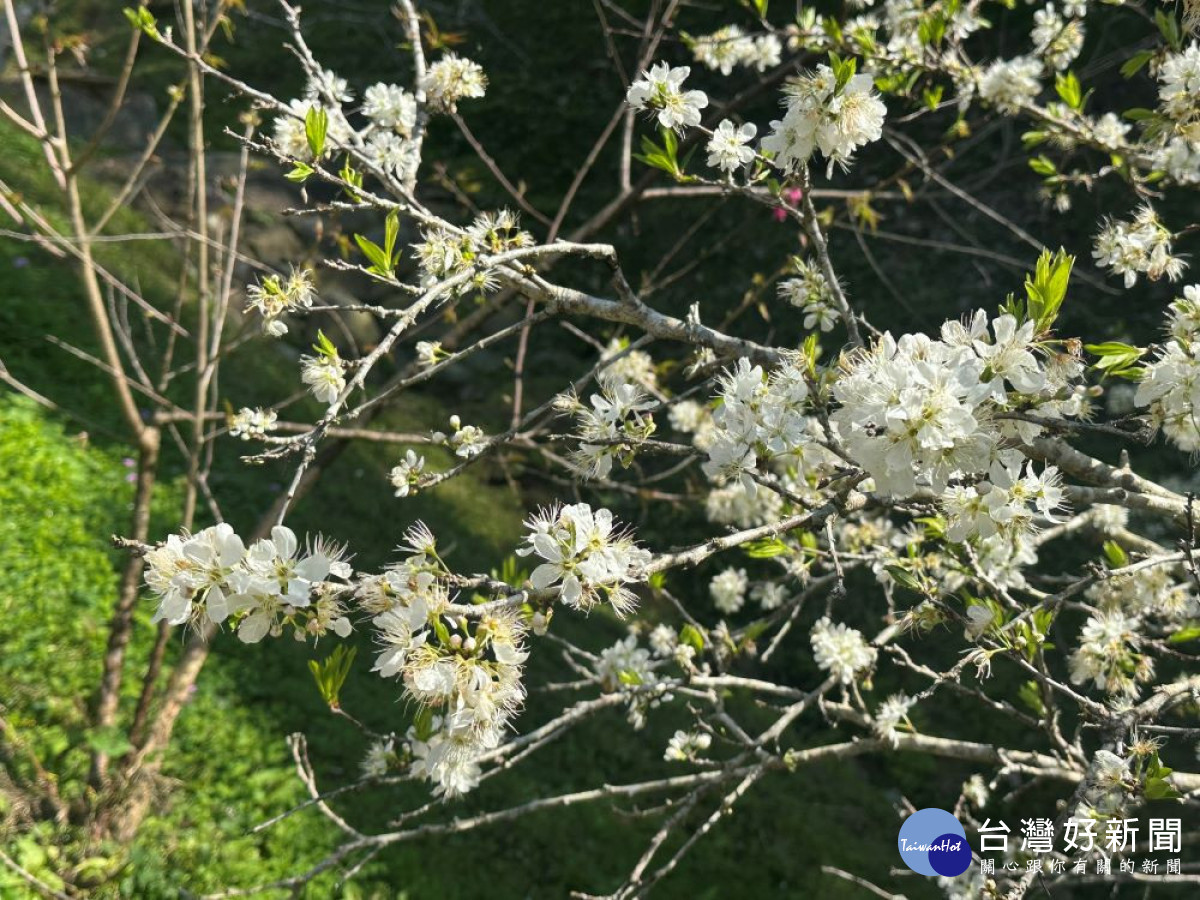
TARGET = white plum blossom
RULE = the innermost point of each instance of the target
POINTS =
(769, 594)
(390, 106)
(687, 745)
(810, 292)
(1010, 84)
(451, 79)
(1170, 385)
(583, 551)
(429, 352)
(841, 650)
(212, 576)
(728, 148)
(325, 375)
(616, 421)
(407, 473)
(729, 47)
(1141, 245)
(380, 757)
(249, 423)
(190, 574)
(273, 297)
(728, 590)
(624, 364)
(820, 115)
(660, 91)
(465, 440)
(1179, 84)
(324, 84)
(1057, 41)
(892, 713)
(1107, 655)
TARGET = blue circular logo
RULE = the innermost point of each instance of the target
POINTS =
(933, 842)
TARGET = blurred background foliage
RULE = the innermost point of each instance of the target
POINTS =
(64, 485)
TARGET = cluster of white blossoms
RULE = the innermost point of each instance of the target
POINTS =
(406, 474)
(810, 292)
(1179, 89)
(1142, 244)
(212, 577)
(840, 650)
(659, 90)
(463, 673)
(728, 590)
(612, 427)
(923, 411)
(759, 417)
(1107, 654)
(685, 746)
(249, 423)
(388, 143)
(1152, 592)
(1055, 39)
(465, 441)
(729, 147)
(443, 253)
(1170, 384)
(451, 79)
(730, 47)
(583, 551)
(1010, 84)
(1108, 789)
(385, 141)
(629, 669)
(274, 296)
(390, 107)
(823, 112)
(624, 364)
(732, 504)
(1004, 502)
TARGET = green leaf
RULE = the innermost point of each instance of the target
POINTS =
(905, 578)
(1168, 25)
(1116, 359)
(316, 125)
(1067, 86)
(1136, 63)
(324, 345)
(1187, 633)
(1115, 554)
(381, 263)
(692, 636)
(765, 548)
(629, 677)
(142, 20)
(300, 173)
(330, 674)
(390, 234)
(1047, 288)
(1031, 696)
(1043, 166)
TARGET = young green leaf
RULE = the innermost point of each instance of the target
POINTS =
(316, 124)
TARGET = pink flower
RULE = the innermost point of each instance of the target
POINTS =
(791, 197)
